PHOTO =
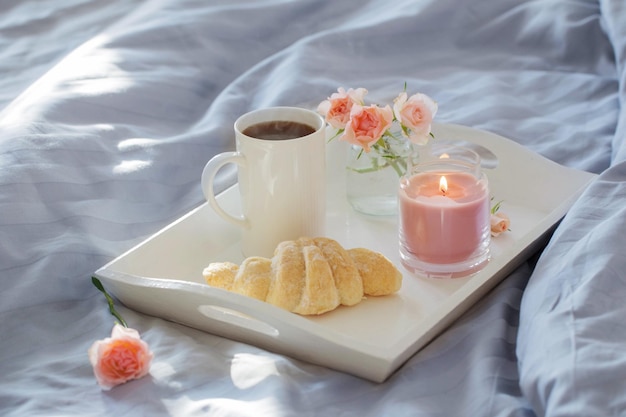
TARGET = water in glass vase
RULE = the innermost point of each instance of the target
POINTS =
(372, 178)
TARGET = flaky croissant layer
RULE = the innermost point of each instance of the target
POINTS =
(309, 276)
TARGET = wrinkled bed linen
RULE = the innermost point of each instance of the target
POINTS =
(109, 111)
(572, 332)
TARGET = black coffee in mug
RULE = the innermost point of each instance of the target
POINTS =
(278, 130)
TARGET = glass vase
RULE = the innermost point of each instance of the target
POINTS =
(372, 177)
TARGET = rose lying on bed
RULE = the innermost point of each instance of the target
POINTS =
(121, 357)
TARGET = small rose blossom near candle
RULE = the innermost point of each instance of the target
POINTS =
(500, 223)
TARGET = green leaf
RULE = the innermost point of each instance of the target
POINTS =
(96, 282)
(495, 208)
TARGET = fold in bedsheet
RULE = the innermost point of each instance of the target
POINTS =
(107, 122)
(572, 330)
(613, 13)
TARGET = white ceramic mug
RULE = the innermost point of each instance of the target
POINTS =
(282, 183)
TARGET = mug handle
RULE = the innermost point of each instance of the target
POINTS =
(208, 177)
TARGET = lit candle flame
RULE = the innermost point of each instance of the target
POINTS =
(443, 185)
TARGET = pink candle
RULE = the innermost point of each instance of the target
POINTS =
(443, 227)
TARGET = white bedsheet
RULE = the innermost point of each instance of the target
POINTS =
(109, 111)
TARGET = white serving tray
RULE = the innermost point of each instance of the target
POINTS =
(163, 275)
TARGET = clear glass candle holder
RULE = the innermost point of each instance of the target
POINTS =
(444, 207)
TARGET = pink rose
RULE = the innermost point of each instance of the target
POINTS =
(367, 125)
(337, 108)
(500, 223)
(415, 113)
(119, 358)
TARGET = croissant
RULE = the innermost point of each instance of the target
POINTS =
(309, 276)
